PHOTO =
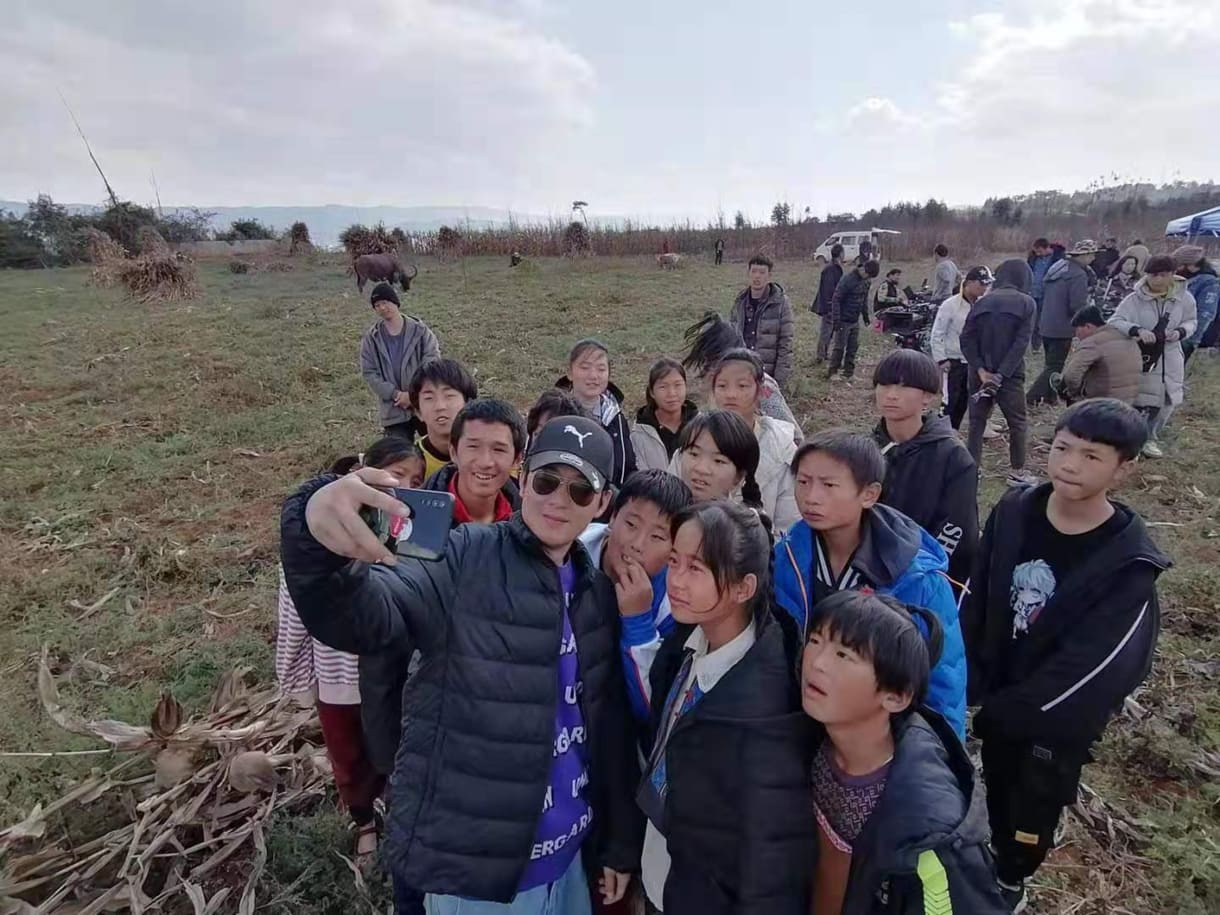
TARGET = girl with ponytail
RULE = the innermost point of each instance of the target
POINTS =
(726, 787)
(717, 458)
(737, 386)
(885, 761)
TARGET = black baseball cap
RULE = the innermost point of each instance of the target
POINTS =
(980, 274)
(578, 442)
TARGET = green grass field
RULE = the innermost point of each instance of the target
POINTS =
(145, 450)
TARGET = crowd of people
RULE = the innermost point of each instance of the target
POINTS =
(704, 662)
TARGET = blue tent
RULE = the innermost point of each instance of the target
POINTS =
(1206, 224)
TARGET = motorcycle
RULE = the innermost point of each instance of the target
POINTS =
(911, 324)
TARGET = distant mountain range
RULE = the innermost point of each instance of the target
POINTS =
(326, 222)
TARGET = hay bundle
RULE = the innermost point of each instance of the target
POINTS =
(148, 278)
(278, 267)
(239, 267)
(199, 791)
(152, 243)
(106, 255)
(576, 240)
(298, 238)
(358, 240)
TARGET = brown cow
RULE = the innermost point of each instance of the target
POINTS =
(383, 268)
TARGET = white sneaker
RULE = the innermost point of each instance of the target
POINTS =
(1153, 450)
(1021, 478)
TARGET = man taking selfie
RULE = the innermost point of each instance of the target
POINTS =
(517, 765)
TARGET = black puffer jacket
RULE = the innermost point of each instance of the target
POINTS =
(479, 717)
(849, 303)
(924, 849)
(932, 480)
(999, 325)
(738, 822)
(383, 675)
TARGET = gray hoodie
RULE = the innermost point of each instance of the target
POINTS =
(383, 378)
(1064, 292)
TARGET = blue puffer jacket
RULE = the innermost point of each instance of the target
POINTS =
(895, 557)
(1205, 287)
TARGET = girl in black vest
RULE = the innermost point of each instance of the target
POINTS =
(726, 788)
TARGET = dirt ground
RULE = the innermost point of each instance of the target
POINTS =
(144, 452)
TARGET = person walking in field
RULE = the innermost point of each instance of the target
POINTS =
(762, 315)
(828, 282)
(946, 275)
(719, 251)
(848, 309)
(390, 353)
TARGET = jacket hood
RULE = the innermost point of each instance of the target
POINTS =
(775, 293)
(893, 544)
(611, 403)
(647, 416)
(1015, 273)
(934, 429)
(929, 798)
(1061, 269)
(439, 482)
(1176, 288)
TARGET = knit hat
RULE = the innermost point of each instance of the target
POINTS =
(384, 292)
(1084, 246)
(1187, 255)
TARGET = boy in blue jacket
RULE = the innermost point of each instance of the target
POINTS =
(633, 549)
(847, 541)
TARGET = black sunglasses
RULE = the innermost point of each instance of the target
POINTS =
(544, 482)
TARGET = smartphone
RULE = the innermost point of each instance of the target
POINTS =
(425, 533)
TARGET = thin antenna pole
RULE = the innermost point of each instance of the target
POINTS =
(114, 200)
(157, 192)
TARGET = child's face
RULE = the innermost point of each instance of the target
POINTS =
(484, 457)
(439, 404)
(639, 532)
(693, 596)
(707, 471)
(735, 389)
(1080, 469)
(827, 495)
(410, 472)
(590, 374)
(898, 402)
(670, 392)
(839, 686)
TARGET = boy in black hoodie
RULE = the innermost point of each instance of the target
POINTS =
(1060, 627)
(899, 828)
(929, 475)
(994, 339)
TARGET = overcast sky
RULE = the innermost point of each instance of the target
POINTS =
(641, 108)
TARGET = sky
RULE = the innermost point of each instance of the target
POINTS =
(654, 110)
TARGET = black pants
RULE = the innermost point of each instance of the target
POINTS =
(1055, 350)
(1035, 339)
(843, 353)
(1011, 401)
(410, 430)
(959, 393)
(1028, 785)
(826, 332)
(719, 258)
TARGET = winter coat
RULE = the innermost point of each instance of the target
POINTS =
(999, 325)
(1205, 287)
(650, 450)
(896, 557)
(924, 849)
(1105, 364)
(1065, 292)
(828, 281)
(473, 768)
(776, 448)
(1166, 382)
(946, 280)
(737, 822)
(1141, 255)
(932, 479)
(849, 304)
(946, 340)
(1104, 261)
(610, 414)
(384, 674)
(383, 378)
(771, 402)
(1090, 646)
(1038, 265)
(776, 330)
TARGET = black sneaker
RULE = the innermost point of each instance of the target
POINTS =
(1013, 896)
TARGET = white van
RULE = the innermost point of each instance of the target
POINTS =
(851, 241)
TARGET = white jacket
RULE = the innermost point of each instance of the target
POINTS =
(947, 329)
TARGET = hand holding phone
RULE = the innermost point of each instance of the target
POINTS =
(423, 532)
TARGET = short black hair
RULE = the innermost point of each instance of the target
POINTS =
(910, 368)
(871, 269)
(1159, 263)
(490, 410)
(1090, 314)
(836, 251)
(1042, 243)
(902, 642)
(1106, 421)
(761, 260)
(551, 404)
(941, 250)
(892, 271)
(856, 450)
(664, 490)
(448, 372)
(586, 345)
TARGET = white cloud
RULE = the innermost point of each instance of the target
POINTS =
(289, 101)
